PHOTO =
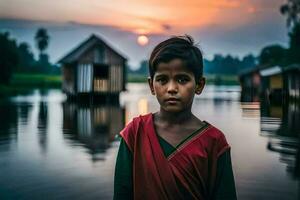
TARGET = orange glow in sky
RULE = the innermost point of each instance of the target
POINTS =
(138, 16)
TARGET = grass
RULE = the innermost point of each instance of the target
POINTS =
(36, 80)
(22, 83)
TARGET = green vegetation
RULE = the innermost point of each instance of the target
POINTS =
(20, 71)
(18, 58)
(136, 78)
(228, 65)
(22, 83)
(36, 81)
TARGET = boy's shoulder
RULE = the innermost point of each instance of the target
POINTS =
(214, 131)
(132, 128)
(138, 121)
(216, 137)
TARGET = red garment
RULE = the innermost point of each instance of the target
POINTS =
(193, 164)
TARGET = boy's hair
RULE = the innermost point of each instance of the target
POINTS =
(181, 47)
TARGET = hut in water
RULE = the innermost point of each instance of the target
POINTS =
(250, 81)
(276, 83)
(272, 83)
(93, 70)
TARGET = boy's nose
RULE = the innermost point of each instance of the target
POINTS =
(172, 87)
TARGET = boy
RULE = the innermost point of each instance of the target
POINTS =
(171, 154)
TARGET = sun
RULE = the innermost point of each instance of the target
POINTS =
(142, 40)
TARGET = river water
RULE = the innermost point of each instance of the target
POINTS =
(53, 149)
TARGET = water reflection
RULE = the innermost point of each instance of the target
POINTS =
(61, 150)
(8, 125)
(280, 124)
(42, 126)
(92, 126)
(49, 148)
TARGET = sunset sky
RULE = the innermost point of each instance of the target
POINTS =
(237, 27)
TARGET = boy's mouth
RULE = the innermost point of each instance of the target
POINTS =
(172, 100)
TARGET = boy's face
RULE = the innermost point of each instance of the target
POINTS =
(175, 86)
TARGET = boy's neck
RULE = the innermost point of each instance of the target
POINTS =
(174, 118)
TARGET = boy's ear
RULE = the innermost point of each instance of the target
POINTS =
(200, 83)
(150, 83)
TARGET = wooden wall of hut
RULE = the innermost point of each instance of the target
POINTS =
(116, 71)
(276, 82)
(100, 70)
(68, 79)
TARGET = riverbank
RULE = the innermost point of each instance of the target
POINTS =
(22, 83)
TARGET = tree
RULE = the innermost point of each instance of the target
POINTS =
(26, 58)
(143, 70)
(248, 61)
(42, 40)
(292, 9)
(294, 50)
(8, 57)
(272, 55)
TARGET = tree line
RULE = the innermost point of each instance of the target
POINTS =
(18, 58)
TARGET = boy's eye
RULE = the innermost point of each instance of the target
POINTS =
(161, 80)
(182, 79)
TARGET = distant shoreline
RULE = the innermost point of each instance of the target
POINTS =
(23, 83)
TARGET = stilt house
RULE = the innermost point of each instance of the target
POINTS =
(277, 82)
(93, 68)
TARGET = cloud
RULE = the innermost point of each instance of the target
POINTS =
(262, 28)
(166, 27)
(141, 16)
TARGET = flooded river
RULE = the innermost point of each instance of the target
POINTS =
(53, 149)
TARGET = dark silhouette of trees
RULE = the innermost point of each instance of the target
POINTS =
(291, 9)
(9, 58)
(43, 65)
(142, 70)
(294, 50)
(16, 58)
(26, 58)
(228, 65)
(278, 55)
(249, 61)
(42, 40)
(143, 67)
(272, 55)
